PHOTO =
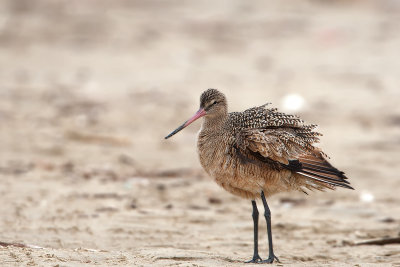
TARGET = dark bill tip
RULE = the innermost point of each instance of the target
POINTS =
(176, 130)
(200, 113)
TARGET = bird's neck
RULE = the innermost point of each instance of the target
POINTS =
(214, 123)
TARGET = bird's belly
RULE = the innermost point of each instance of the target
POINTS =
(240, 178)
(231, 174)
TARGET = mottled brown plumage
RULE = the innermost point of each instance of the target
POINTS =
(260, 151)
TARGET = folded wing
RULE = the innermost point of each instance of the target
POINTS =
(291, 149)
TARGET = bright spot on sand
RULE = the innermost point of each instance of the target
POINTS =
(293, 102)
(366, 197)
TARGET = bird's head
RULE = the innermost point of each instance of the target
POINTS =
(212, 105)
(213, 102)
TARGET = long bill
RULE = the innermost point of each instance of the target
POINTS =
(200, 113)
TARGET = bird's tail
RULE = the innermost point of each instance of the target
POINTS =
(316, 167)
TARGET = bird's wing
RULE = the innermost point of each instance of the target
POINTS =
(286, 149)
(273, 134)
(281, 145)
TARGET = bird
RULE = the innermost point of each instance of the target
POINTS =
(260, 152)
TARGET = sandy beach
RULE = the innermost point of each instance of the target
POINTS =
(89, 90)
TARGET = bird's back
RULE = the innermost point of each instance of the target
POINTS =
(269, 119)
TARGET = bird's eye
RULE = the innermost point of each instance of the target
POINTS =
(211, 104)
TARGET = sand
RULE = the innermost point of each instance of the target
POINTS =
(88, 91)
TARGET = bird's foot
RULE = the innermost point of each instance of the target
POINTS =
(270, 259)
(256, 259)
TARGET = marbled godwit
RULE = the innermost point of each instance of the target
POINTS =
(260, 152)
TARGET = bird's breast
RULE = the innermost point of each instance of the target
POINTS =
(212, 150)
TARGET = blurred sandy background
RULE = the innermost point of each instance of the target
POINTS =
(88, 90)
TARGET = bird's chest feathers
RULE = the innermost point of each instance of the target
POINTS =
(212, 148)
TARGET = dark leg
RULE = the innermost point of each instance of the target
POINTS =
(256, 257)
(267, 215)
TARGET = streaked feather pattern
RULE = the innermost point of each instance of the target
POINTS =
(268, 135)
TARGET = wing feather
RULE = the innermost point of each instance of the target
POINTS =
(280, 145)
(284, 142)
